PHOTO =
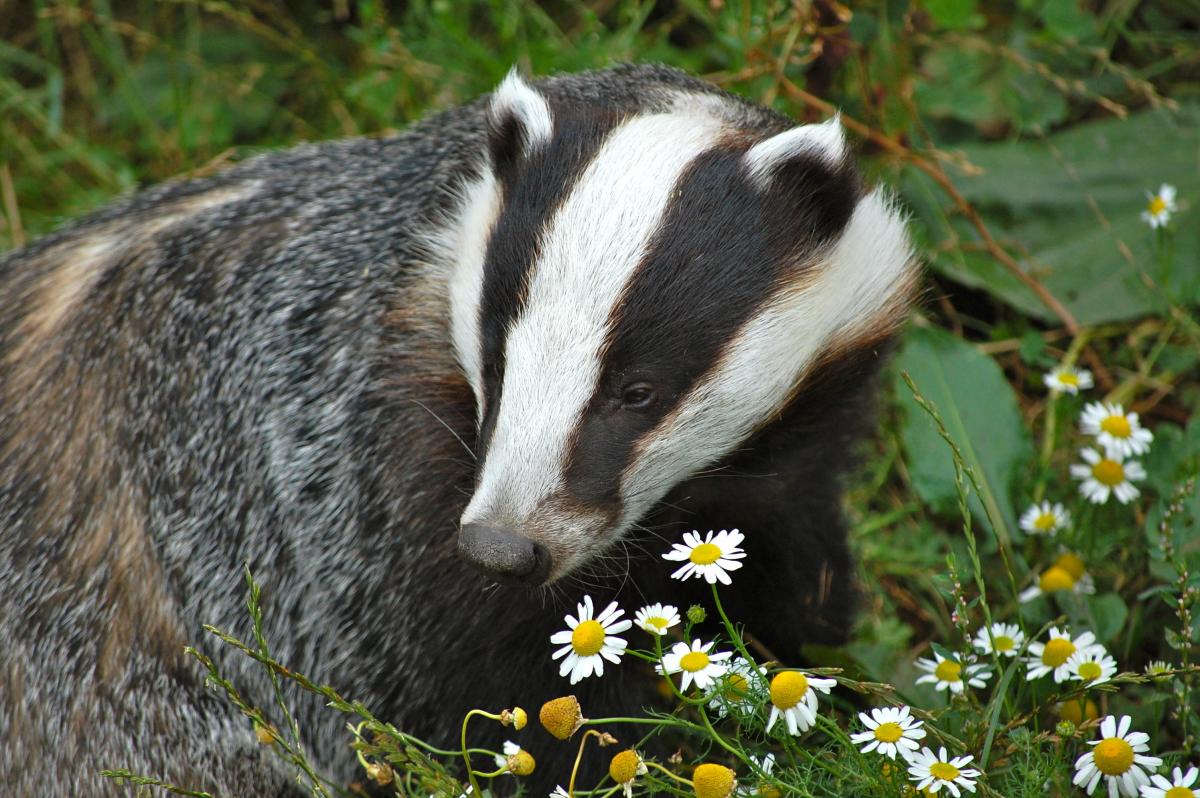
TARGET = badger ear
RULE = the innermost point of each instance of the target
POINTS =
(519, 120)
(825, 141)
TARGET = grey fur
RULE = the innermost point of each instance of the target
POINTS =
(267, 380)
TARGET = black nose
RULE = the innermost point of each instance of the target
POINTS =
(504, 556)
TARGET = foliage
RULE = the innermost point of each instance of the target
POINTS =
(1024, 137)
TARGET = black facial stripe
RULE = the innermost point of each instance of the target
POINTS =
(722, 248)
(531, 190)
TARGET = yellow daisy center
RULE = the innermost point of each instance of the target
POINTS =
(562, 717)
(1109, 472)
(736, 687)
(944, 771)
(657, 621)
(1068, 378)
(712, 781)
(521, 763)
(624, 766)
(1071, 564)
(1090, 670)
(1157, 205)
(705, 554)
(1116, 426)
(1077, 711)
(1003, 643)
(1057, 651)
(1113, 756)
(948, 671)
(1056, 578)
(788, 688)
(1179, 792)
(588, 638)
(889, 732)
(1045, 522)
(694, 661)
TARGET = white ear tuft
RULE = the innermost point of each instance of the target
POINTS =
(826, 141)
(515, 103)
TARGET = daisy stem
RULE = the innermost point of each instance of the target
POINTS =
(465, 754)
(491, 775)
(578, 758)
(679, 779)
(733, 633)
(647, 721)
(717, 736)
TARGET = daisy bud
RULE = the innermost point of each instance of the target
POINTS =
(381, 773)
(713, 781)
(696, 614)
(1065, 728)
(606, 739)
(521, 763)
(515, 717)
(562, 717)
(265, 735)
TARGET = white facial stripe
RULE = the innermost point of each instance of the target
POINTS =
(467, 240)
(855, 283)
(826, 140)
(588, 254)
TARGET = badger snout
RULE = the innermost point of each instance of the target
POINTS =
(504, 556)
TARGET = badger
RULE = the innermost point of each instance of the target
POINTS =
(430, 389)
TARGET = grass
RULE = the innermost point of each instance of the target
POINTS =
(1022, 136)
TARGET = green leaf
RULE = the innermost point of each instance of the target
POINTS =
(954, 14)
(1069, 207)
(1109, 612)
(981, 414)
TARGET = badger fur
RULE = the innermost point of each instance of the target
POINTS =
(522, 342)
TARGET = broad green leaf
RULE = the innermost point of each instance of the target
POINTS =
(1109, 612)
(1068, 207)
(981, 414)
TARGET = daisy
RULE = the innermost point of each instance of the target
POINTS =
(794, 697)
(948, 673)
(1005, 639)
(1107, 475)
(1160, 206)
(744, 688)
(1066, 574)
(1092, 667)
(1045, 519)
(695, 663)
(559, 792)
(588, 641)
(890, 730)
(1117, 757)
(713, 558)
(624, 768)
(1052, 656)
(1180, 785)
(657, 618)
(1066, 379)
(1117, 431)
(934, 771)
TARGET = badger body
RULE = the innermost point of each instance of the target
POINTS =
(532, 336)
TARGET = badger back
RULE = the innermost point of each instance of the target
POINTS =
(635, 294)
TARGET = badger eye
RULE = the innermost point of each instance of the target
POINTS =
(638, 396)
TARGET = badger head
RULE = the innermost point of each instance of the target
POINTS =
(633, 296)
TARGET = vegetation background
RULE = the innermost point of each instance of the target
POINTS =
(1023, 137)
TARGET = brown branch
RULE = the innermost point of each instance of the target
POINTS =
(935, 172)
